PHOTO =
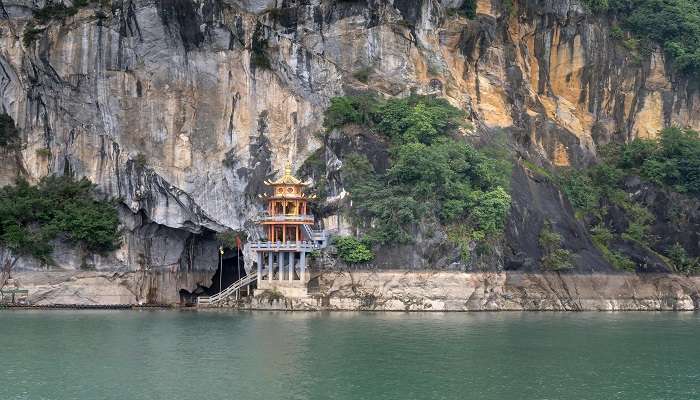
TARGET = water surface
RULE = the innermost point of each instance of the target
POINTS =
(130, 355)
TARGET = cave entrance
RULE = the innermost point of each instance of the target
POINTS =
(230, 270)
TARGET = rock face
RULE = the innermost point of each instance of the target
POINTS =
(459, 291)
(182, 108)
(394, 290)
(101, 288)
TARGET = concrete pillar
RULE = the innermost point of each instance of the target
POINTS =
(280, 262)
(260, 257)
(291, 265)
(302, 265)
(270, 266)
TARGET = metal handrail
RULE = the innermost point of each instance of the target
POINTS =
(315, 233)
(239, 284)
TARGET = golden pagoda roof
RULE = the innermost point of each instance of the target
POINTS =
(287, 178)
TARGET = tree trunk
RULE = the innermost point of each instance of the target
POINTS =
(9, 262)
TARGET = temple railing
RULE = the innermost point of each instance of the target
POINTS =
(316, 234)
(284, 246)
(303, 219)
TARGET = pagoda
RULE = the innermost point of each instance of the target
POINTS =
(288, 227)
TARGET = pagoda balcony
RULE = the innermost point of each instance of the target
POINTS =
(296, 219)
(284, 246)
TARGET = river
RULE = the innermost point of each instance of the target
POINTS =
(178, 355)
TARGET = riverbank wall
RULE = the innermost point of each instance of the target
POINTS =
(458, 291)
(389, 290)
(107, 288)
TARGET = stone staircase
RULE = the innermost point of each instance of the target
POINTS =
(231, 290)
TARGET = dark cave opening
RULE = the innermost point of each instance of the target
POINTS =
(229, 271)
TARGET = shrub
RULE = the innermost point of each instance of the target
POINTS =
(673, 24)
(31, 34)
(54, 11)
(554, 257)
(258, 56)
(32, 216)
(353, 251)
(44, 153)
(350, 110)
(617, 33)
(580, 190)
(431, 177)
(672, 160)
(230, 239)
(140, 161)
(9, 135)
(363, 74)
(468, 9)
(681, 261)
(601, 238)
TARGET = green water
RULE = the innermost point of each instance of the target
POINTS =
(130, 355)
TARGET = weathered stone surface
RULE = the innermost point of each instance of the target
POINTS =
(158, 102)
(91, 287)
(393, 290)
(458, 291)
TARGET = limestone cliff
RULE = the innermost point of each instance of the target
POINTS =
(181, 108)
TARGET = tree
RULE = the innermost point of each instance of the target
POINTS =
(231, 239)
(432, 176)
(554, 257)
(31, 217)
(353, 251)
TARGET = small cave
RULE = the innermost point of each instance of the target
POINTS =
(229, 271)
(232, 271)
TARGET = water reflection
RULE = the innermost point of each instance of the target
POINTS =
(277, 355)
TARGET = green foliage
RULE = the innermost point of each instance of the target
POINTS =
(537, 169)
(497, 154)
(9, 135)
(413, 119)
(43, 153)
(488, 211)
(468, 9)
(620, 261)
(673, 24)
(30, 34)
(59, 11)
(350, 110)
(448, 179)
(229, 238)
(554, 257)
(673, 159)
(363, 74)
(258, 49)
(596, 5)
(432, 176)
(353, 251)
(580, 190)
(417, 119)
(509, 7)
(140, 161)
(617, 33)
(601, 235)
(55, 12)
(639, 223)
(681, 261)
(58, 207)
(601, 238)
